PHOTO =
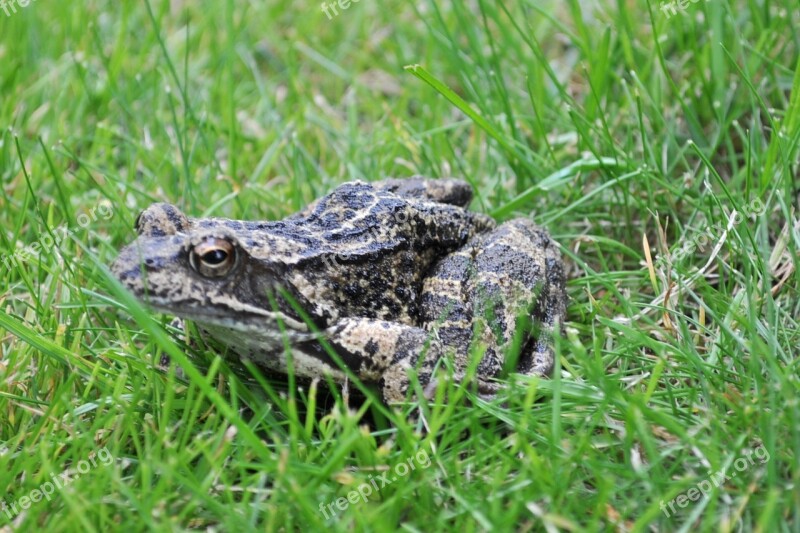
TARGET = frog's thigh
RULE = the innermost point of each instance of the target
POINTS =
(444, 304)
(382, 351)
(484, 287)
(518, 269)
(474, 292)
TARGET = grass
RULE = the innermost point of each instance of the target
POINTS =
(630, 132)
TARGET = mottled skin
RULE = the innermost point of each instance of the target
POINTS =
(389, 272)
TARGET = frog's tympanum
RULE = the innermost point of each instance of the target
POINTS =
(395, 275)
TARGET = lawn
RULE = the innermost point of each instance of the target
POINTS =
(658, 143)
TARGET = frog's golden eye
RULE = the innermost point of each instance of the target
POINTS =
(213, 258)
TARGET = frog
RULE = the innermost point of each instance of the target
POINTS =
(388, 281)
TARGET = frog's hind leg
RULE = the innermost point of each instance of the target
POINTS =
(447, 307)
(480, 294)
(537, 356)
(518, 283)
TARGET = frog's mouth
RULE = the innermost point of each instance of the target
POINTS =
(259, 331)
(243, 317)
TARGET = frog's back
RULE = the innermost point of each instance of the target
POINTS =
(369, 249)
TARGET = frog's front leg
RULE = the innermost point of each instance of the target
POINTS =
(384, 352)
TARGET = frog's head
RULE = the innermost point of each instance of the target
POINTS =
(202, 271)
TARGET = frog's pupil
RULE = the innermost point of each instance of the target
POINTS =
(215, 257)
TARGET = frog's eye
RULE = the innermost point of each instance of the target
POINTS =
(213, 258)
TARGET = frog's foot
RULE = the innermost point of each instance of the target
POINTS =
(538, 360)
(164, 363)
